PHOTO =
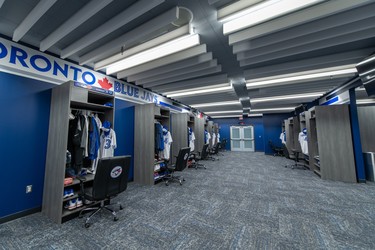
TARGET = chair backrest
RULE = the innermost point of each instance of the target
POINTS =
(204, 152)
(216, 149)
(182, 159)
(111, 177)
(285, 151)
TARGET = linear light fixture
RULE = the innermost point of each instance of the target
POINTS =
(226, 116)
(162, 50)
(224, 112)
(273, 109)
(177, 33)
(263, 12)
(254, 84)
(210, 104)
(366, 101)
(285, 97)
(193, 91)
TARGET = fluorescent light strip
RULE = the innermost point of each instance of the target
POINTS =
(201, 91)
(210, 104)
(301, 77)
(248, 10)
(285, 97)
(226, 116)
(365, 101)
(269, 10)
(165, 49)
(224, 112)
(200, 88)
(366, 61)
(273, 109)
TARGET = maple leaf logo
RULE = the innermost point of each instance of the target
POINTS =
(104, 83)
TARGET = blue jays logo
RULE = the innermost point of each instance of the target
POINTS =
(116, 172)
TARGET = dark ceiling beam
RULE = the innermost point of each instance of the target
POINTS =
(345, 58)
(340, 19)
(300, 17)
(171, 67)
(325, 35)
(207, 71)
(193, 83)
(178, 73)
(343, 40)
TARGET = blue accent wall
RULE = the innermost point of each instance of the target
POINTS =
(272, 129)
(257, 122)
(124, 128)
(24, 107)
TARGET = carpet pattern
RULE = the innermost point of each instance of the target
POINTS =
(242, 201)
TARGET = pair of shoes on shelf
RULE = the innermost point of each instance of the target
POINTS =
(68, 192)
(73, 204)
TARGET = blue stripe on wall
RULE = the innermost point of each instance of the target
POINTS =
(25, 107)
(124, 127)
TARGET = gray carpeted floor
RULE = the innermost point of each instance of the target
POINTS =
(242, 201)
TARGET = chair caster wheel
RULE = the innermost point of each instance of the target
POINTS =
(183, 179)
(115, 218)
(121, 207)
(180, 183)
(87, 225)
(166, 184)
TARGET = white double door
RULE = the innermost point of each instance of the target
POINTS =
(242, 138)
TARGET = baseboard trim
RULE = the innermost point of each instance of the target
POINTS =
(20, 214)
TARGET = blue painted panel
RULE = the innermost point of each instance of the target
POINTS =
(272, 129)
(25, 107)
(357, 145)
(124, 127)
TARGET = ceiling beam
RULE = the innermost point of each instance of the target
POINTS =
(73, 22)
(345, 58)
(314, 46)
(342, 31)
(294, 19)
(158, 25)
(128, 15)
(35, 14)
(191, 52)
(194, 83)
(340, 19)
(171, 67)
(179, 32)
(208, 71)
(178, 73)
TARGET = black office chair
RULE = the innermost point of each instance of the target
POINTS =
(277, 151)
(180, 165)
(111, 178)
(200, 156)
(294, 156)
(223, 144)
(214, 151)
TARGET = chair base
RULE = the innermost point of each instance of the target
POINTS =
(296, 165)
(172, 177)
(97, 210)
(197, 165)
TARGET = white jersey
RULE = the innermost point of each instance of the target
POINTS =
(282, 137)
(192, 142)
(218, 137)
(302, 138)
(213, 142)
(167, 145)
(208, 137)
(108, 144)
